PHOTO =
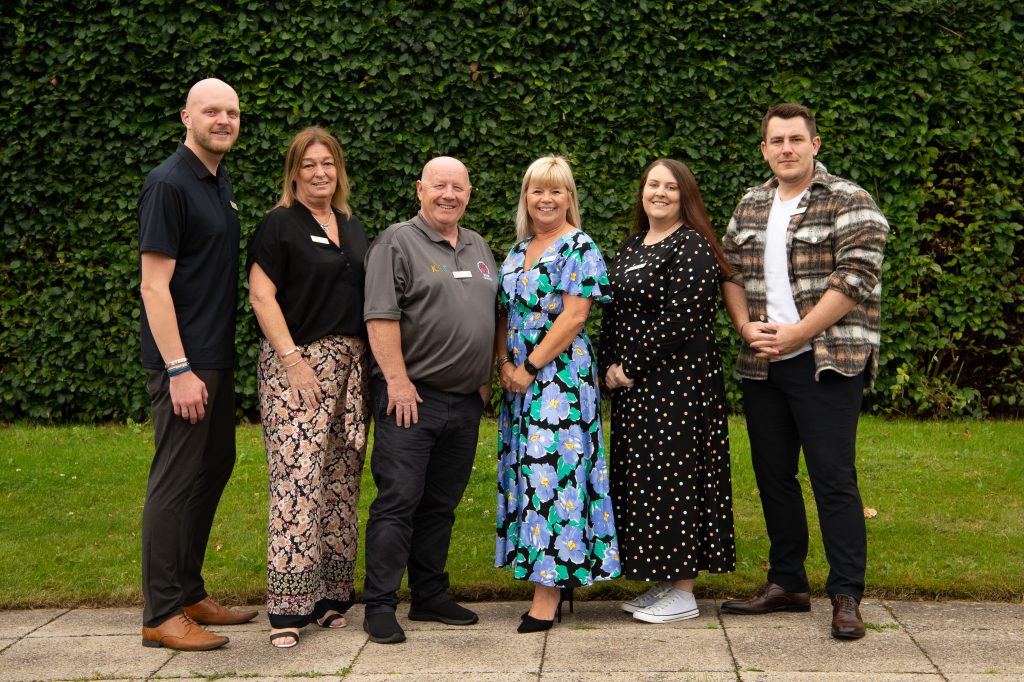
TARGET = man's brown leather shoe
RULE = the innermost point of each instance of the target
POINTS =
(846, 620)
(768, 598)
(211, 612)
(182, 633)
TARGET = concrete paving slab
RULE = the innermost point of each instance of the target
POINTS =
(872, 611)
(63, 658)
(434, 677)
(14, 624)
(840, 677)
(79, 622)
(455, 653)
(981, 677)
(639, 677)
(656, 650)
(959, 615)
(320, 651)
(796, 649)
(974, 651)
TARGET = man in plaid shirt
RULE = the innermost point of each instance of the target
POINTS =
(805, 250)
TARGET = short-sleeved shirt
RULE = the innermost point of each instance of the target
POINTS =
(319, 285)
(443, 298)
(190, 214)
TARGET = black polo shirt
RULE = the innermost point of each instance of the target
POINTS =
(190, 214)
(319, 285)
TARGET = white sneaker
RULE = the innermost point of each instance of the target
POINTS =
(675, 605)
(648, 598)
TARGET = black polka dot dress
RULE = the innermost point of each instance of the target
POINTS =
(669, 461)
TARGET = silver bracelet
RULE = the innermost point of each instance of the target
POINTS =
(293, 351)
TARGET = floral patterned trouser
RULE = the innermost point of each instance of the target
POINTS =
(315, 462)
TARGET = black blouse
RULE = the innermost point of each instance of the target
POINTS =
(319, 285)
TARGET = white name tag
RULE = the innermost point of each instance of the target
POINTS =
(799, 211)
(233, 205)
(320, 240)
(636, 267)
(547, 259)
(461, 274)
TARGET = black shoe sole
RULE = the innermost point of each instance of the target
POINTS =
(438, 618)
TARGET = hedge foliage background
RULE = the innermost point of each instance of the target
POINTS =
(919, 101)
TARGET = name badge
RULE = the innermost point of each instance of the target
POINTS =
(546, 259)
(320, 240)
(461, 274)
(233, 205)
(799, 211)
(636, 267)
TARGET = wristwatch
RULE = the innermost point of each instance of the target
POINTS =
(530, 367)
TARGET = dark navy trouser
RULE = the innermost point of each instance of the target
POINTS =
(420, 473)
(785, 412)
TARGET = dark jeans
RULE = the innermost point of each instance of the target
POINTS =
(421, 473)
(192, 464)
(789, 410)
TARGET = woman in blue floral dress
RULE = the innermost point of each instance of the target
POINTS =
(555, 522)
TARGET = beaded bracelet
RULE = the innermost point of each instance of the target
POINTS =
(179, 370)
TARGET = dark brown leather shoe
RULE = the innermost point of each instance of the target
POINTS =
(211, 612)
(182, 633)
(846, 620)
(769, 598)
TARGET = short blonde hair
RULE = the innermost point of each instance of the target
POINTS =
(293, 162)
(547, 171)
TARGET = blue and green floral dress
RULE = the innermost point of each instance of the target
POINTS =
(555, 521)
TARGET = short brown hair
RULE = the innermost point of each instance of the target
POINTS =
(789, 110)
(293, 161)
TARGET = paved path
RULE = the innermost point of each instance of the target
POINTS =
(906, 642)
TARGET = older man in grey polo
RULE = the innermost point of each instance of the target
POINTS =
(430, 316)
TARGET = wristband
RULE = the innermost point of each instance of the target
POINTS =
(179, 370)
(530, 367)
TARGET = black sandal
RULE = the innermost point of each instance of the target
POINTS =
(329, 621)
(293, 636)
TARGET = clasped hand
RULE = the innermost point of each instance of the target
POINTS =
(515, 379)
(616, 378)
(772, 340)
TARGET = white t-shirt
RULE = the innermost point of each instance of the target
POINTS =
(781, 306)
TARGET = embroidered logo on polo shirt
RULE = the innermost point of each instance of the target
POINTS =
(439, 268)
(484, 270)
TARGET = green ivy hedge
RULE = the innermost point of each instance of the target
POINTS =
(921, 102)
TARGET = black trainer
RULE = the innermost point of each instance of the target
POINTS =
(447, 612)
(383, 627)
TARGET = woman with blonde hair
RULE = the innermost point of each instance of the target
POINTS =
(306, 289)
(555, 522)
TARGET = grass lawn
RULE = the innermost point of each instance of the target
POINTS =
(948, 495)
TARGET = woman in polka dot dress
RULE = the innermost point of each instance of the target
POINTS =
(669, 458)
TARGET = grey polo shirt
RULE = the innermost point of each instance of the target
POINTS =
(444, 299)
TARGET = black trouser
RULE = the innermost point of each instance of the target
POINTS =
(191, 466)
(421, 473)
(789, 410)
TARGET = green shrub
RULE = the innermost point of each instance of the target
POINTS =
(920, 102)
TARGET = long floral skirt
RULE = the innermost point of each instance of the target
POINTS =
(315, 461)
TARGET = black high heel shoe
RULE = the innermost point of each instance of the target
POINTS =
(531, 624)
(564, 594)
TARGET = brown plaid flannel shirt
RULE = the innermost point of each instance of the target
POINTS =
(836, 243)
